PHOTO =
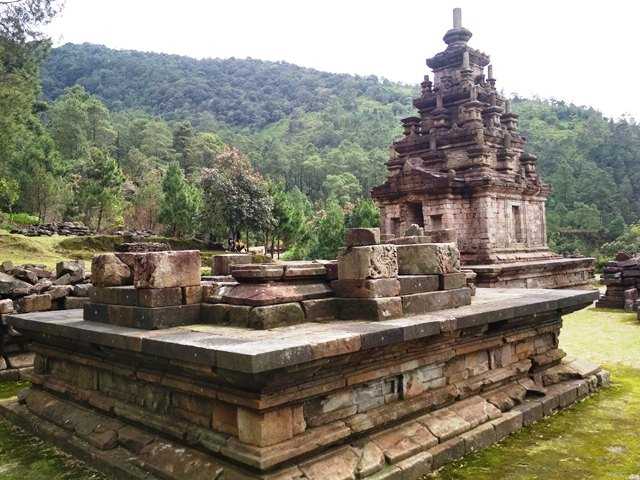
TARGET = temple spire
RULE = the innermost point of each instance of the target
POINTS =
(457, 18)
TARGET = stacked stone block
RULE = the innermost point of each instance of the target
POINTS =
(265, 296)
(148, 290)
(407, 277)
(622, 279)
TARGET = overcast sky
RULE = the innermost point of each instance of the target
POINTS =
(582, 51)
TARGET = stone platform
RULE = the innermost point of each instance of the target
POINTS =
(338, 399)
(550, 273)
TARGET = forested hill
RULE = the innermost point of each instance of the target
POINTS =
(326, 135)
(238, 92)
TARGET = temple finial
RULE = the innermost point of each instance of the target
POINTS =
(457, 18)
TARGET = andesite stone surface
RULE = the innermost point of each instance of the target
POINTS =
(401, 396)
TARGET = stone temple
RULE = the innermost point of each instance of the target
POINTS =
(382, 365)
(462, 166)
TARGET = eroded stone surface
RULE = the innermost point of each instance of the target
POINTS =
(375, 261)
(166, 269)
(107, 270)
(358, 237)
(428, 259)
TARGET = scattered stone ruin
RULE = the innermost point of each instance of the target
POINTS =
(48, 229)
(622, 278)
(462, 165)
(380, 365)
(33, 288)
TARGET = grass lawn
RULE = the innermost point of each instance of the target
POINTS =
(596, 439)
(49, 250)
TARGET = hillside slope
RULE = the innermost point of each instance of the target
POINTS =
(239, 92)
(325, 133)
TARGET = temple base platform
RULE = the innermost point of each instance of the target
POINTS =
(551, 273)
(391, 399)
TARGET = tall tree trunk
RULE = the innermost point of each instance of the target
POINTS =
(100, 217)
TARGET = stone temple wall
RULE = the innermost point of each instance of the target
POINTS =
(487, 227)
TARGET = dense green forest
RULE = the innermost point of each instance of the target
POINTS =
(265, 151)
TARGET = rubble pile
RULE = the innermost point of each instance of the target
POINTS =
(32, 288)
(622, 277)
(48, 229)
(143, 247)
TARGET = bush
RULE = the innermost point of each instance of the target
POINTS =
(23, 219)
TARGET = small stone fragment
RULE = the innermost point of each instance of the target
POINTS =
(107, 270)
(358, 237)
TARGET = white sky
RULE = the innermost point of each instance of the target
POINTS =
(582, 51)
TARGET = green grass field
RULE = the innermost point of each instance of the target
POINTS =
(50, 250)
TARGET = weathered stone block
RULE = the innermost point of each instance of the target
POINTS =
(74, 268)
(508, 423)
(320, 309)
(166, 269)
(450, 281)
(304, 270)
(532, 411)
(59, 291)
(192, 294)
(6, 306)
(428, 259)
(75, 302)
(339, 465)
(141, 317)
(159, 297)
(445, 424)
(265, 428)
(405, 441)
(9, 285)
(416, 466)
(447, 452)
(107, 270)
(445, 235)
(259, 294)
(369, 308)
(371, 460)
(419, 303)
(410, 284)
(272, 316)
(479, 438)
(225, 314)
(418, 381)
(358, 237)
(374, 261)
(225, 418)
(125, 295)
(137, 297)
(82, 290)
(414, 230)
(25, 274)
(34, 303)
(257, 272)
(370, 288)
(221, 264)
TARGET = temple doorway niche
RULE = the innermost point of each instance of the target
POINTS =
(516, 217)
(415, 215)
(435, 222)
